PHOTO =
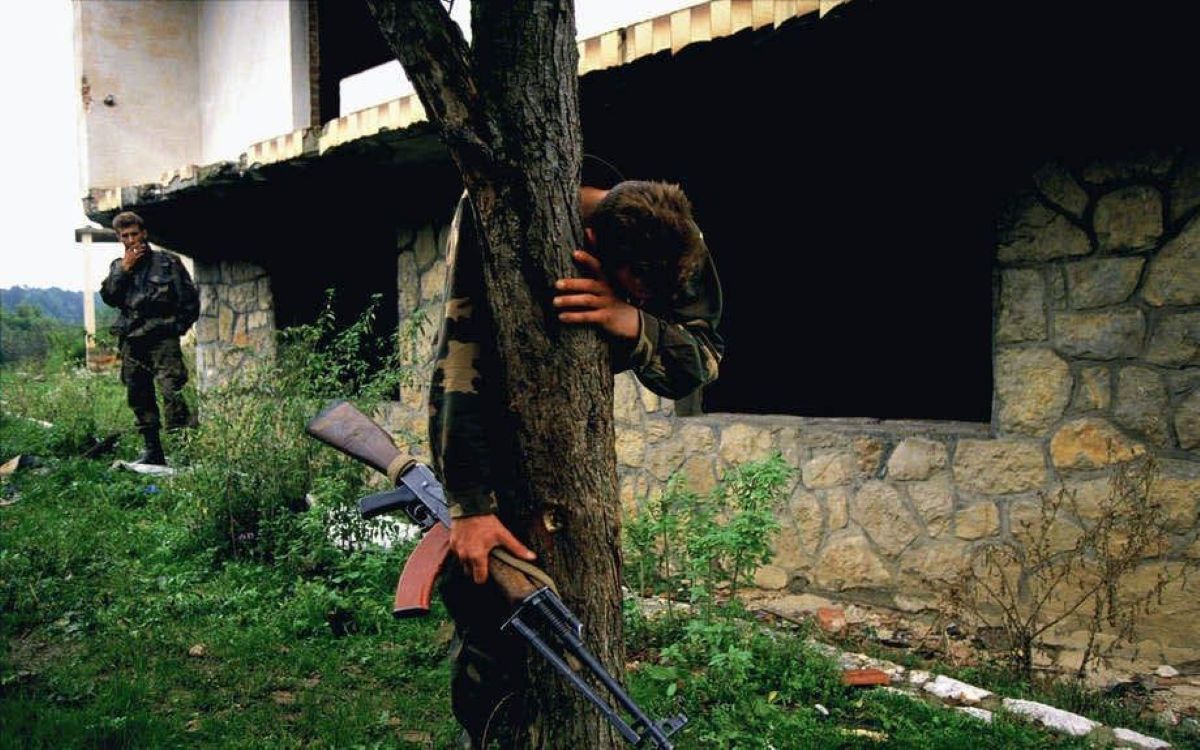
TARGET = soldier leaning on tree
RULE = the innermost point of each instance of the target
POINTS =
(651, 288)
(158, 303)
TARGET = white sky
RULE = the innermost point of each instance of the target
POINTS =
(40, 199)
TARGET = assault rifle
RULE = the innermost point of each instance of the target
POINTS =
(539, 616)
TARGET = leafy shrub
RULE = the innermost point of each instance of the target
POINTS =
(683, 541)
(253, 469)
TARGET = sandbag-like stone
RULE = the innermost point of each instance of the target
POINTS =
(1093, 389)
(977, 521)
(1141, 404)
(940, 562)
(880, 511)
(1033, 387)
(1100, 335)
(1128, 219)
(916, 458)
(1091, 443)
(1022, 314)
(934, 501)
(1061, 189)
(999, 467)
(1187, 422)
(848, 562)
(1107, 281)
(1174, 274)
(829, 470)
(1175, 340)
(1034, 232)
(743, 442)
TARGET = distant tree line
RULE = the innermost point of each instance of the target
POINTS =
(45, 323)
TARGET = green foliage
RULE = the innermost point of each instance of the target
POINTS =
(683, 541)
(27, 334)
(252, 467)
(61, 414)
(124, 633)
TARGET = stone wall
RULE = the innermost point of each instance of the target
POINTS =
(237, 320)
(1097, 359)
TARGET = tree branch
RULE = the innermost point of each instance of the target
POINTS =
(436, 57)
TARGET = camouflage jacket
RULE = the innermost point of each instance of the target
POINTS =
(156, 297)
(470, 431)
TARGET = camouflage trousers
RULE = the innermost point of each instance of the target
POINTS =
(487, 666)
(145, 364)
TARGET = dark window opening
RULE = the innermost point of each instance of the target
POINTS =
(851, 287)
(349, 42)
(848, 173)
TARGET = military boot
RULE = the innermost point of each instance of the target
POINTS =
(153, 455)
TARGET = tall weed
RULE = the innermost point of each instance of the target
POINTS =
(252, 467)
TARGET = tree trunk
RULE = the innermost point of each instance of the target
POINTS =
(508, 109)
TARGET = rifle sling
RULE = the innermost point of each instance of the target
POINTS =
(531, 571)
(398, 466)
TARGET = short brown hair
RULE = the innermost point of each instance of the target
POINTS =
(648, 226)
(127, 219)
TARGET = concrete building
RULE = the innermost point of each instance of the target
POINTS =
(960, 245)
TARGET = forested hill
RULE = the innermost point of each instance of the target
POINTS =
(60, 304)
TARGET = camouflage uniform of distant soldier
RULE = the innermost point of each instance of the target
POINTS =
(672, 347)
(157, 303)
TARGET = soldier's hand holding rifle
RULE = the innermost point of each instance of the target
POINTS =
(472, 539)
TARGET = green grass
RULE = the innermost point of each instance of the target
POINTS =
(130, 623)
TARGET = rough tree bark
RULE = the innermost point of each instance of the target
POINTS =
(508, 109)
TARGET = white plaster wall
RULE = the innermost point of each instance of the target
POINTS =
(253, 74)
(144, 54)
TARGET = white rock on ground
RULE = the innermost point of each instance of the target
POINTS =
(1130, 738)
(918, 678)
(1051, 717)
(979, 713)
(1166, 671)
(952, 690)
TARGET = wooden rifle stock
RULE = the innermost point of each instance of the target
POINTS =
(342, 426)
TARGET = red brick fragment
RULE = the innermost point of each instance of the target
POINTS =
(865, 677)
(831, 619)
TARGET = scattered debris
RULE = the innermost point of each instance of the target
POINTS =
(1051, 717)
(103, 446)
(19, 461)
(949, 689)
(865, 677)
(831, 619)
(869, 734)
(982, 714)
(1130, 738)
(424, 739)
(151, 469)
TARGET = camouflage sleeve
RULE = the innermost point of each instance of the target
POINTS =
(457, 396)
(680, 350)
(189, 298)
(114, 286)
